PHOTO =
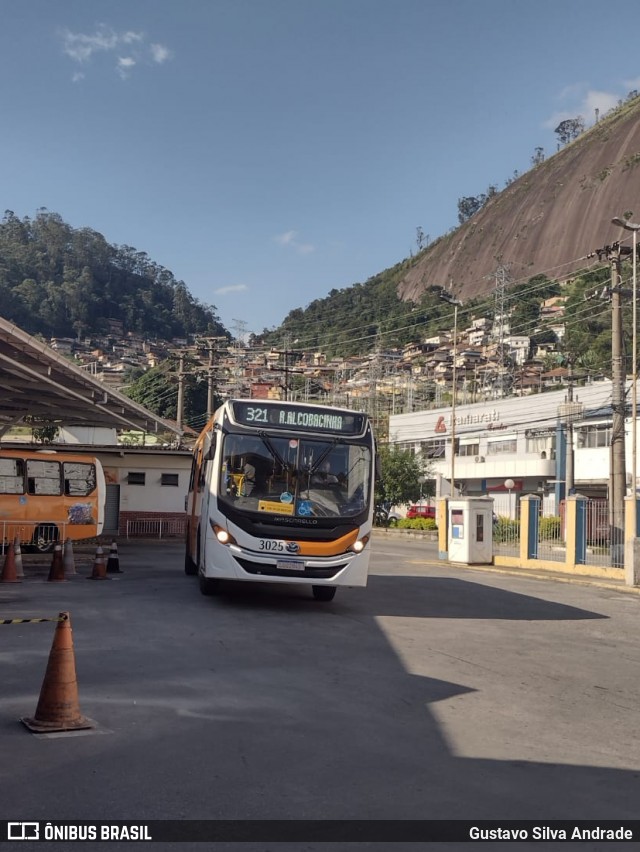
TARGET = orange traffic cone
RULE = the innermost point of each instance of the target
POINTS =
(56, 572)
(17, 552)
(58, 707)
(68, 560)
(113, 562)
(99, 567)
(9, 574)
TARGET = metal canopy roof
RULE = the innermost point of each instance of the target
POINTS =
(36, 381)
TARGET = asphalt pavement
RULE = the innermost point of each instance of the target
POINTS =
(437, 692)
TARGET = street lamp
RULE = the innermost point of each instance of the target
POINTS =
(447, 297)
(634, 228)
(509, 484)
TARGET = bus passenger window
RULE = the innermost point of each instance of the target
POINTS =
(43, 477)
(80, 479)
(11, 476)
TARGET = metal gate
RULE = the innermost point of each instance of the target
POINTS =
(112, 509)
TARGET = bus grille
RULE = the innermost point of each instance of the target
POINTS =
(271, 571)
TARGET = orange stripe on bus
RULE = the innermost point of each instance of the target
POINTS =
(328, 548)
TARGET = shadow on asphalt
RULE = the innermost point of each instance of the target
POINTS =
(411, 597)
(262, 703)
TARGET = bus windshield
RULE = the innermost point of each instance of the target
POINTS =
(299, 476)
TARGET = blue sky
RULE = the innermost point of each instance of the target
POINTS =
(268, 151)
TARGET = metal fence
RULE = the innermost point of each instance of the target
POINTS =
(506, 536)
(603, 544)
(550, 544)
(37, 534)
(156, 528)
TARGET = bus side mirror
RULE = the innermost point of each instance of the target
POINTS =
(211, 449)
(378, 468)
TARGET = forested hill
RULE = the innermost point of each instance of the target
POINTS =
(60, 281)
(357, 319)
(544, 222)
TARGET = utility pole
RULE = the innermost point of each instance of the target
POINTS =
(569, 411)
(569, 477)
(618, 465)
(618, 376)
(499, 319)
(287, 370)
(209, 344)
(447, 297)
(180, 411)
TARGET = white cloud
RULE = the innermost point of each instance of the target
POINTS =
(581, 100)
(125, 64)
(289, 239)
(232, 288)
(160, 53)
(83, 48)
(130, 37)
(601, 101)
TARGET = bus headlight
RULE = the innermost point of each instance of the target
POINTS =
(359, 545)
(223, 536)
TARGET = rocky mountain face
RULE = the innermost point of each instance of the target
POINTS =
(548, 220)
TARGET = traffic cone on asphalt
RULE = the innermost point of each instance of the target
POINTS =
(56, 572)
(17, 553)
(113, 562)
(9, 574)
(58, 706)
(68, 560)
(99, 566)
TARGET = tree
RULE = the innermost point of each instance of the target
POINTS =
(570, 129)
(538, 157)
(422, 239)
(402, 476)
(469, 205)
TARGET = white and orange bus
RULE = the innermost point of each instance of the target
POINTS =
(48, 496)
(281, 492)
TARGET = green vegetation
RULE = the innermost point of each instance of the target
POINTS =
(58, 281)
(427, 524)
(352, 321)
(549, 529)
(506, 530)
(157, 390)
(403, 476)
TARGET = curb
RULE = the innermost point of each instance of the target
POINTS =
(514, 570)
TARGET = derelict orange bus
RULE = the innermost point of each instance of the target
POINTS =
(48, 496)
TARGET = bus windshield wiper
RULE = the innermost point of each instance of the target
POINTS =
(276, 455)
(314, 467)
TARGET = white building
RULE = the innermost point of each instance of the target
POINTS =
(517, 438)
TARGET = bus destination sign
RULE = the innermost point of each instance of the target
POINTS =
(306, 418)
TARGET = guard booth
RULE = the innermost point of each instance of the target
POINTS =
(470, 530)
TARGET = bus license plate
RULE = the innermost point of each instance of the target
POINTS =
(289, 565)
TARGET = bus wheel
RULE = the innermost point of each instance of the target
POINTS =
(44, 538)
(190, 567)
(208, 586)
(324, 593)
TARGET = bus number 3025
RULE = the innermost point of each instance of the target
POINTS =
(269, 544)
